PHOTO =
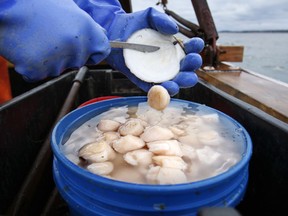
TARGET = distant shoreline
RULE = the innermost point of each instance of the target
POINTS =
(255, 31)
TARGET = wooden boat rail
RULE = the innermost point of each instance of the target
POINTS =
(260, 91)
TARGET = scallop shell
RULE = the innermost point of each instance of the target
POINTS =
(156, 67)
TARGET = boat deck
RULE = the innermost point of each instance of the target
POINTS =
(266, 94)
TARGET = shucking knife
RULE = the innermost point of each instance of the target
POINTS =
(134, 46)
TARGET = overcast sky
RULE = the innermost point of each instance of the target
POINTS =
(232, 15)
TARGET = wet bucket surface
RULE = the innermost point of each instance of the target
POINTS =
(89, 194)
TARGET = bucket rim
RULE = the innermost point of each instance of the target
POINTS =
(127, 186)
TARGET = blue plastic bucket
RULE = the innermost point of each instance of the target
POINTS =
(89, 194)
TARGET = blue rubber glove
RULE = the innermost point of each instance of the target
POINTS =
(120, 26)
(187, 77)
(44, 37)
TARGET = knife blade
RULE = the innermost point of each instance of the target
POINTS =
(134, 46)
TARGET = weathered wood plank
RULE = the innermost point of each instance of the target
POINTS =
(231, 53)
(264, 93)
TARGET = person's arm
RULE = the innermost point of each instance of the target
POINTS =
(42, 38)
(121, 25)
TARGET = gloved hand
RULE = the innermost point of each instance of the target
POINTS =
(187, 77)
(120, 25)
(44, 37)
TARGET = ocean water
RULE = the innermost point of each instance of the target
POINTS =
(264, 53)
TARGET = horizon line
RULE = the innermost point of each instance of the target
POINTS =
(248, 31)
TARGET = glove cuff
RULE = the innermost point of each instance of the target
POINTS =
(102, 11)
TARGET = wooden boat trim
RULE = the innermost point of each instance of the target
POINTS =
(264, 93)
